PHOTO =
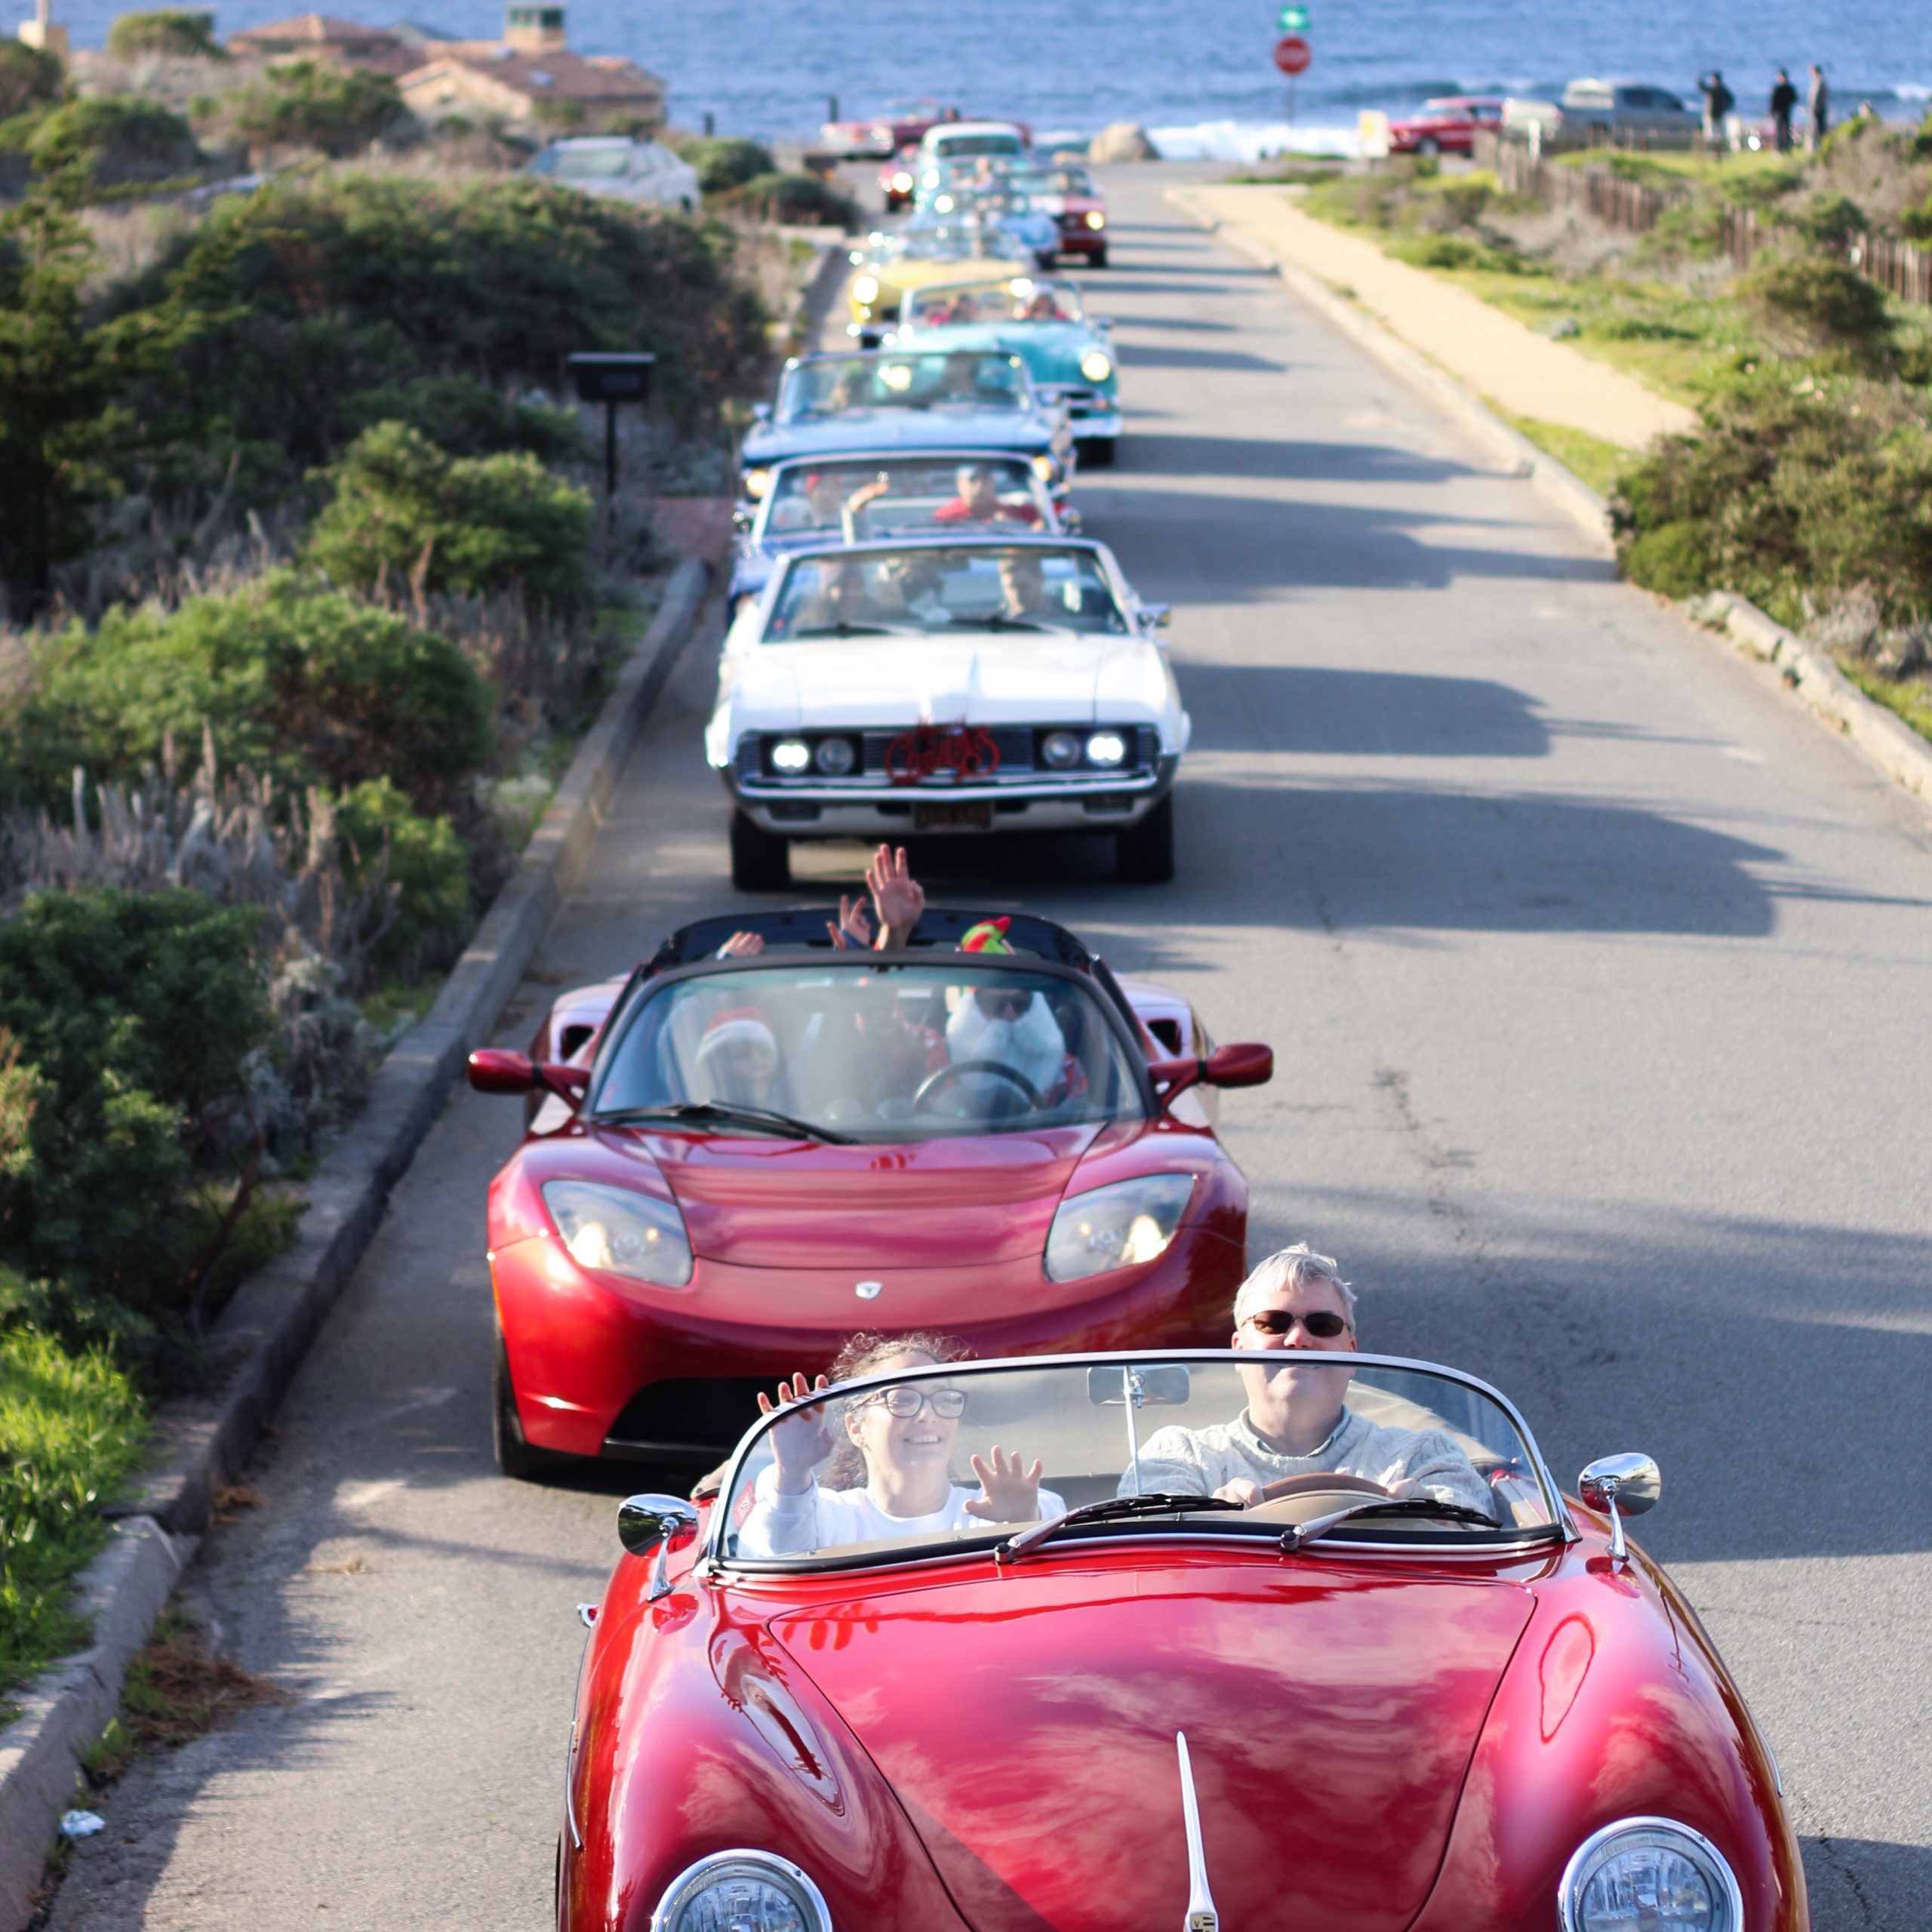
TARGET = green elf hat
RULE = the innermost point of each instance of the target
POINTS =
(989, 936)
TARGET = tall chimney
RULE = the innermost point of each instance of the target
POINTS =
(533, 28)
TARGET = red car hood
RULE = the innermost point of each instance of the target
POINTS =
(1027, 1722)
(934, 1204)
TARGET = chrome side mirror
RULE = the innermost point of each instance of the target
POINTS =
(659, 1523)
(1155, 616)
(1621, 1486)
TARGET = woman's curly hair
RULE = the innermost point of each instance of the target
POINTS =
(860, 1355)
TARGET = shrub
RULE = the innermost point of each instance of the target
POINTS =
(405, 510)
(116, 137)
(801, 198)
(313, 104)
(426, 865)
(136, 1014)
(29, 77)
(725, 161)
(1455, 252)
(462, 416)
(295, 679)
(1827, 305)
(168, 32)
(1830, 221)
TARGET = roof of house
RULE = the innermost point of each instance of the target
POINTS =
(310, 29)
(555, 74)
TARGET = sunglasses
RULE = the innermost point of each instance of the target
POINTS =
(1324, 1324)
(997, 999)
(906, 1403)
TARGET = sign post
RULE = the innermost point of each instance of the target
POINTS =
(1292, 55)
(610, 378)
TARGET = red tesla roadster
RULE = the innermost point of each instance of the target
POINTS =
(1445, 1701)
(733, 1163)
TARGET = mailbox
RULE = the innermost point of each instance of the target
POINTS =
(615, 376)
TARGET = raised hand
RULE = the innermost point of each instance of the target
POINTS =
(1009, 1491)
(897, 897)
(742, 945)
(801, 1442)
(854, 924)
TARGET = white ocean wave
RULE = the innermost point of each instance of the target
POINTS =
(1250, 140)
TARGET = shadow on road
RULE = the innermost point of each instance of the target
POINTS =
(1134, 357)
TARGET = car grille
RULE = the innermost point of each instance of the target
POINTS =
(1014, 743)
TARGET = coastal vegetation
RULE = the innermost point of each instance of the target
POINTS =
(304, 601)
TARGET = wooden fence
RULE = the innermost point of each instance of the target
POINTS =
(1635, 206)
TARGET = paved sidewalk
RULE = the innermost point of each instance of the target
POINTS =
(1521, 372)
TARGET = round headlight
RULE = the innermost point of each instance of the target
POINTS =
(902, 183)
(865, 288)
(942, 204)
(1106, 748)
(835, 757)
(1097, 365)
(742, 1891)
(1043, 468)
(791, 754)
(1653, 1873)
(1095, 219)
(757, 481)
(618, 1232)
(1060, 749)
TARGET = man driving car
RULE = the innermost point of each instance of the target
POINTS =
(1296, 1422)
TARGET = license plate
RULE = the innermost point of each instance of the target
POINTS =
(968, 815)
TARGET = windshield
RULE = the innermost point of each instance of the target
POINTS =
(889, 497)
(1020, 299)
(891, 1468)
(988, 586)
(591, 164)
(950, 147)
(876, 1052)
(830, 385)
(1057, 181)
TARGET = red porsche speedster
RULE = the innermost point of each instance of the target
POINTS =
(732, 1163)
(1109, 1703)
(1447, 125)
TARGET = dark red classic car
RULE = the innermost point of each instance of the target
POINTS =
(731, 1163)
(1067, 192)
(900, 124)
(1447, 125)
(1459, 1703)
(899, 179)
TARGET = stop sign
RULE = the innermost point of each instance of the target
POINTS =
(1291, 54)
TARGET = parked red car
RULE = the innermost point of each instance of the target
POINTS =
(1126, 1710)
(733, 1163)
(1444, 126)
(903, 123)
(899, 179)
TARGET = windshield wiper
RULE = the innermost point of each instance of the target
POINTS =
(1292, 1539)
(1160, 1503)
(1000, 621)
(695, 1111)
(849, 630)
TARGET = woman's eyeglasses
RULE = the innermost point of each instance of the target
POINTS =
(1324, 1324)
(906, 1403)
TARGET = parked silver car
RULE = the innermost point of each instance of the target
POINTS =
(625, 169)
(1617, 111)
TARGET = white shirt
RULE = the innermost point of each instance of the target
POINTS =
(1197, 1462)
(783, 1525)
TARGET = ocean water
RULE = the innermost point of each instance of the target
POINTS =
(1200, 69)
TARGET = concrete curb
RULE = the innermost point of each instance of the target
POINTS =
(1521, 458)
(1884, 738)
(265, 1331)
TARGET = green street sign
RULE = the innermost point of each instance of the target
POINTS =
(1294, 19)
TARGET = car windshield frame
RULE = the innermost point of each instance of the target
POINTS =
(862, 467)
(1009, 287)
(1129, 1052)
(790, 410)
(977, 540)
(1231, 1527)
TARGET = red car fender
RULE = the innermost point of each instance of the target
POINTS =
(1614, 1706)
(696, 1735)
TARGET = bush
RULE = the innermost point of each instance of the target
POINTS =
(293, 679)
(426, 865)
(133, 1017)
(313, 104)
(800, 199)
(461, 416)
(1828, 306)
(116, 138)
(1830, 221)
(725, 161)
(168, 32)
(1455, 251)
(29, 78)
(405, 510)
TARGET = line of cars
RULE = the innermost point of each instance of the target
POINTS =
(1103, 1705)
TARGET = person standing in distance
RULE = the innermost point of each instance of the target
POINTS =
(1818, 110)
(1784, 99)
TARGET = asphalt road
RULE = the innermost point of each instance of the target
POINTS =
(1598, 975)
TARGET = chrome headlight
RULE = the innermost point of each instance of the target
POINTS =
(835, 757)
(1097, 365)
(742, 1891)
(865, 289)
(1116, 1227)
(1060, 749)
(1653, 1873)
(618, 1232)
(791, 756)
(1095, 219)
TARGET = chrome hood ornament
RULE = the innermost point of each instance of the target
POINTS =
(1202, 1916)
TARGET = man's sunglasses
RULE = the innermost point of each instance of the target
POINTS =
(906, 1403)
(1324, 1324)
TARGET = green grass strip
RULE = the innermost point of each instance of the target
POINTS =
(1909, 698)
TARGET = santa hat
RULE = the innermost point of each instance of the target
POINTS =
(737, 1027)
(989, 936)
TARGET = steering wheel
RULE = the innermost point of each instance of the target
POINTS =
(938, 1081)
(1321, 1482)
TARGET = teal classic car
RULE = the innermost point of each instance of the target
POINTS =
(1068, 354)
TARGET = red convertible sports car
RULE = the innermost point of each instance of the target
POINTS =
(1083, 1693)
(732, 1163)
(1445, 126)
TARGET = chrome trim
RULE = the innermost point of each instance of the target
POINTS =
(646, 1524)
(1621, 1486)
(1202, 1916)
(679, 1892)
(1573, 1873)
(1559, 1520)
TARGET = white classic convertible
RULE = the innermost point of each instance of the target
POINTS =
(947, 685)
